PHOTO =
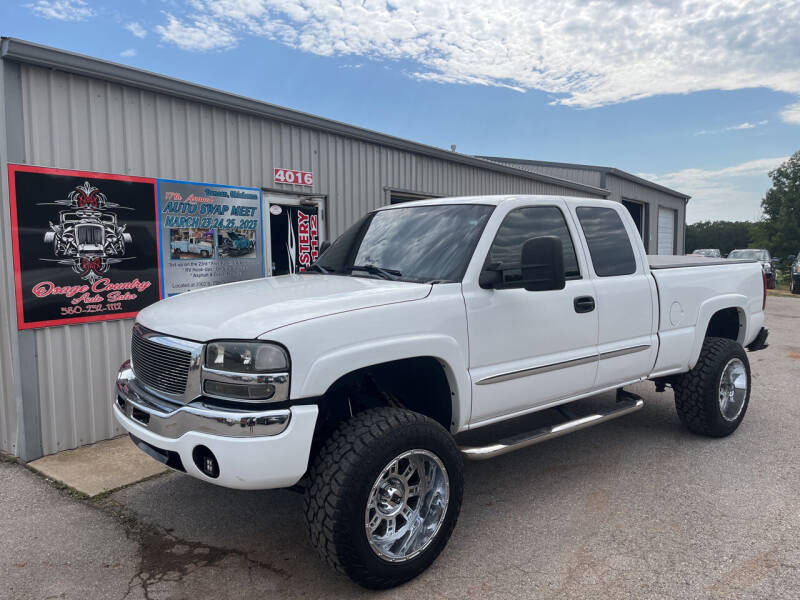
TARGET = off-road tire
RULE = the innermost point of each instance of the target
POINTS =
(340, 481)
(793, 287)
(697, 392)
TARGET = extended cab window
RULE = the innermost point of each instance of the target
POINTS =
(608, 241)
(522, 224)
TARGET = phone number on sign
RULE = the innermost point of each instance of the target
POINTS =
(294, 177)
(91, 308)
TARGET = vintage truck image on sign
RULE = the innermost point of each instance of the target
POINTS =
(357, 379)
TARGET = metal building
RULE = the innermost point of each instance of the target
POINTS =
(659, 212)
(64, 111)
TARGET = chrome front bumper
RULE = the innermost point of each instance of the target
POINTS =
(173, 421)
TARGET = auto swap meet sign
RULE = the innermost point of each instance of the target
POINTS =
(93, 246)
(210, 234)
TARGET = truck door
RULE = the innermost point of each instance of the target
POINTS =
(626, 295)
(295, 233)
(526, 348)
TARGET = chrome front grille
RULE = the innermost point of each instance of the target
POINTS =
(160, 367)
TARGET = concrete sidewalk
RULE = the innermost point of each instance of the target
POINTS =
(99, 468)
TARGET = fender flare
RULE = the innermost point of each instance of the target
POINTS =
(707, 310)
(327, 369)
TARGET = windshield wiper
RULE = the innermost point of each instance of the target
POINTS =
(392, 274)
(319, 268)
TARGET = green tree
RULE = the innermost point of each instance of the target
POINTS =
(725, 235)
(780, 231)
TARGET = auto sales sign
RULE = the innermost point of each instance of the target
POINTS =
(85, 245)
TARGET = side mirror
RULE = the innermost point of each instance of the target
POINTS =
(790, 258)
(324, 246)
(541, 268)
(542, 264)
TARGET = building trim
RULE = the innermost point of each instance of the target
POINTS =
(43, 56)
(602, 170)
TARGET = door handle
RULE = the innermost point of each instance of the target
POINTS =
(583, 304)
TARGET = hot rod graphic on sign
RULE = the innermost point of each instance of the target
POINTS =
(87, 239)
(85, 245)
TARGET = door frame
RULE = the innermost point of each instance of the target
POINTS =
(645, 231)
(286, 198)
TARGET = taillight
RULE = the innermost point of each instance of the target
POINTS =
(764, 281)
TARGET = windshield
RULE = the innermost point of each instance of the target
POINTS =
(89, 234)
(749, 254)
(707, 252)
(415, 243)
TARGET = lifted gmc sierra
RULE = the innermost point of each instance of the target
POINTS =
(355, 382)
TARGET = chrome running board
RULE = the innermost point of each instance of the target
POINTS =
(628, 404)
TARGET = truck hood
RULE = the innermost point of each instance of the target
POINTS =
(248, 309)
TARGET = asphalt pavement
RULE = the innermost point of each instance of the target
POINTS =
(634, 508)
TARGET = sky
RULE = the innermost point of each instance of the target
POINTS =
(702, 96)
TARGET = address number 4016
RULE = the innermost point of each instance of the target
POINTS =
(294, 177)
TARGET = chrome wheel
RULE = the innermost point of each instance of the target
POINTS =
(407, 505)
(732, 389)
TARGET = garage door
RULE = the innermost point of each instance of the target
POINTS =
(666, 231)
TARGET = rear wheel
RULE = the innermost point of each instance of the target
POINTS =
(384, 496)
(712, 398)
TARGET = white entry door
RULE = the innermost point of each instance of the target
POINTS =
(666, 231)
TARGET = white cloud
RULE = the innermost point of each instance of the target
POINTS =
(128, 53)
(62, 10)
(136, 29)
(739, 127)
(201, 34)
(731, 193)
(587, 53)
(791, 114)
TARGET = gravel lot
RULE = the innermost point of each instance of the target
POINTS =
(636, 508)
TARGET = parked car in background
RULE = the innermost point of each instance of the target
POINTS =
(709, 252)
(794, 273)
(761, 256)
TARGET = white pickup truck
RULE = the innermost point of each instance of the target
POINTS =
(355, 382)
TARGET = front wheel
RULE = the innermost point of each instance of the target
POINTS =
(793, 287)
(384, 496)
(712, 398)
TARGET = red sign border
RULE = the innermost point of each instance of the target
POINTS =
(275, 174)
(13, 169)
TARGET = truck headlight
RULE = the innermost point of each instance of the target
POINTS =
(246, 371)
(246, 357)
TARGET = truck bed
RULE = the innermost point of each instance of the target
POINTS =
(688, 296)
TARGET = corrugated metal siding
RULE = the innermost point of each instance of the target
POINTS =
(584, 176)
(74, 122)
(620, 189)
(8, 324)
